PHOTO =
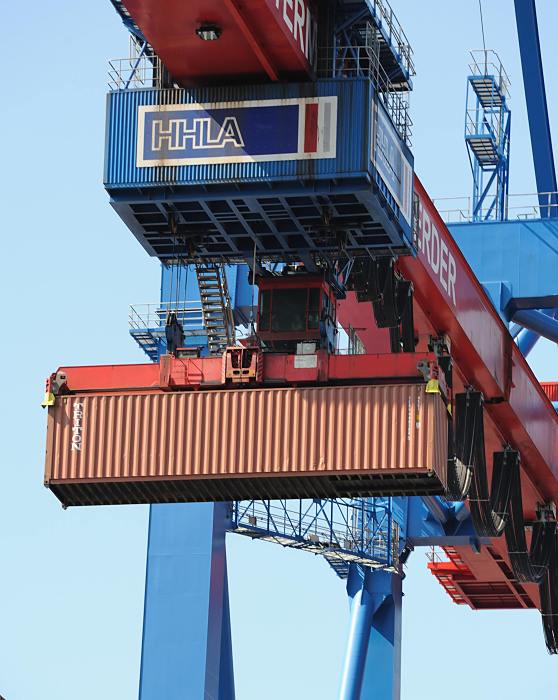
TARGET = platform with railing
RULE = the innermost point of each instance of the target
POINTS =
(343, 531)
(537, 205)
(147, 323)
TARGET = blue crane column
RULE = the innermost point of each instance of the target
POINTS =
(539, 124)
(372, 666)
(186, 646)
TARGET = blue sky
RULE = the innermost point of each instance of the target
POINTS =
(71, 583)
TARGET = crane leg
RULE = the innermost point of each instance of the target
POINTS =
(186, 650)
(373, 657)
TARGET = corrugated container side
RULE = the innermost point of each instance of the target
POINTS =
(551, 390)
(353, 135)
(391, 438)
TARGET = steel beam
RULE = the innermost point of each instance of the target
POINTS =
(539, 322)
(537, 108)
(382, 672)
(373, 658)
(186, 649)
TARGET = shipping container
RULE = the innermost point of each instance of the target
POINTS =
(317, 442)
(551, 390)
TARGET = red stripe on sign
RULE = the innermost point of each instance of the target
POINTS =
(311, 128)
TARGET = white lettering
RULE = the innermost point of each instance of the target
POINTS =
(443, 264)
(287, 3)
(300, 22)
(436, 252)
(299, 18)
(451, 277)
(199, 132)
(77, 428)
(230, 133)
(426, 237)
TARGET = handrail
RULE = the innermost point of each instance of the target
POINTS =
(521, 206)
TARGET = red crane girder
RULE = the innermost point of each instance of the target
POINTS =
(257, 39)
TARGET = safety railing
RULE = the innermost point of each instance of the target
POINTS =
(357, 61)
(141, 72)
(153, 317)
(487, 124)
(353, 530)
(394, 32)
(141, 69)
(487, 63)
(536, 205)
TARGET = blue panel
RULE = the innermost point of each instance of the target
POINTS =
(354, 111)
(186, 649)
(184, 286)
(179, 284)
(522, 254)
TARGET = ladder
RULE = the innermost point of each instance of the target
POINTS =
(216, 306)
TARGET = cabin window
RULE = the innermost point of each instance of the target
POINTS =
(265, 309)
(289, 310)
(313, 308)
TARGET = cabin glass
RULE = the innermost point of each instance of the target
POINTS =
(265, 309)
(288, 312)
(313, 308)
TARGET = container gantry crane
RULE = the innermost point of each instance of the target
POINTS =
(274, 136)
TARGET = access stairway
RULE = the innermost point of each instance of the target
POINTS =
(216, 307)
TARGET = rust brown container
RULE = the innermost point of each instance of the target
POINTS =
(319, 442)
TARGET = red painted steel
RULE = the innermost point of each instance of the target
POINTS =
(453, 301)
(449, 300)
(176, 373)
(260, 39)
(483, 580)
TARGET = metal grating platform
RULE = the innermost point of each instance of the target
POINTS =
(485, 149)
(487, 91)
(147, 325)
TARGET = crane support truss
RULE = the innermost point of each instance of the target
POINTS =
(344, 531)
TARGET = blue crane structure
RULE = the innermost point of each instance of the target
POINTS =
(517, 260)
(487, 135)
(214, 231)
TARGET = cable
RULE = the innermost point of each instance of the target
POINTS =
(467, 475)
(548, 589)
(528, 564)
(252, 327)
(460, 444)
(482, 28)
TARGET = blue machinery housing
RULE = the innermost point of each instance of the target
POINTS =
(339, 166)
